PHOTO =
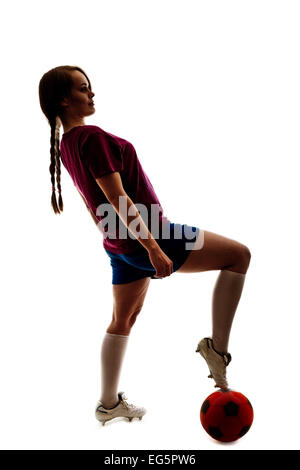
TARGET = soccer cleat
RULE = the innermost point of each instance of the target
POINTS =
(123, 408)
(216, 361)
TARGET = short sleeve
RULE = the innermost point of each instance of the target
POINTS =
(101, 154)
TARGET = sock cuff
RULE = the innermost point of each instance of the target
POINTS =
(113, 334)
(234, 273)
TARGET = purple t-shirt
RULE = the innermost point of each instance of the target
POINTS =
(89, 152)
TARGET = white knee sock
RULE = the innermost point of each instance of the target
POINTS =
(112, 354)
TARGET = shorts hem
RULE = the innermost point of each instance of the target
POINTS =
(126, 281)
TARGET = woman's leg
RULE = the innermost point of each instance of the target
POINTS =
(232, 258)
(128, 302)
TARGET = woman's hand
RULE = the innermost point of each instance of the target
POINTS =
(161, 262)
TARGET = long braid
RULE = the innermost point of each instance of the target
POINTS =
(53, 165)
(57, 159)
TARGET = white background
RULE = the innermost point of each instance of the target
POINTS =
(208, 93)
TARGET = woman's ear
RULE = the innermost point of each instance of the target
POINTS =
(64, 102)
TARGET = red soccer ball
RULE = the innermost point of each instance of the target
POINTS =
(226, 415)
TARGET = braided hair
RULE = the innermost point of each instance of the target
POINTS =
(55, 167)
(55, 85)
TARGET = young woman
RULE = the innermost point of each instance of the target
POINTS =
(108, 175)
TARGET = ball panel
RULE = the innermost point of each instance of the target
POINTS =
(231, 426)
(215, 432)
(220, 398)
(246, 414)
(205, 406)
(244, 430)
(238, 397)
(231, 408)
(213, 416)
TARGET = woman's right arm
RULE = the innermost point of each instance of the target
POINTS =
(112, 187)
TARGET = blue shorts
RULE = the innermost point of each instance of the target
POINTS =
(137, 265)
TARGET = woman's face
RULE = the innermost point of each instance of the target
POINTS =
(79, 103)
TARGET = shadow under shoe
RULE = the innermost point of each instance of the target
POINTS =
(122, 409)
(216, 361)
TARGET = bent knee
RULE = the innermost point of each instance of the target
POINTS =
(247, 253)
(244, 257)
(122, 322)
(133, 316)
